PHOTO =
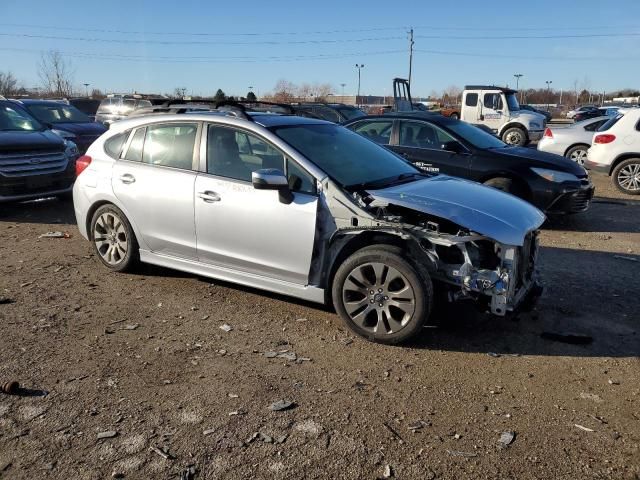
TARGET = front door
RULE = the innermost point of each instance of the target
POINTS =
(251, 230)
(425, 145)
(154, 181)
(493, 110)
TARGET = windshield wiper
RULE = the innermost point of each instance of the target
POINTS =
(387, 182)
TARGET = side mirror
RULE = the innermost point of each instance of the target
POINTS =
(452, 146)
(272, 179)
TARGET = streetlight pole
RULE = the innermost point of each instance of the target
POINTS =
(518, 76)
(548, 82)
(86, 89)
(342, 96)
(359, 67)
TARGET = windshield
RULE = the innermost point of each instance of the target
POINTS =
(14, 119)
(475, 136)
(350, 113)
(347, 157)
(512, 102)
(58, 114)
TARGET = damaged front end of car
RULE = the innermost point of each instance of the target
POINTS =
(482, 246)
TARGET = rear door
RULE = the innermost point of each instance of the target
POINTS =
(249, 230)
(378, 130)
(425, 145)
(154, 181)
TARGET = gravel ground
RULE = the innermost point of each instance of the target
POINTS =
(142, 357)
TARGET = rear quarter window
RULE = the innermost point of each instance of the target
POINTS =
(609, 123)
(113, 146)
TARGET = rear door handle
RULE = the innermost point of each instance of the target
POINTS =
(127, 178)
(209, 196)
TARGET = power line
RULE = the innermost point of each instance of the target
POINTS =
(198, 42)
(187, 59)
(520, 57)
(525, 37)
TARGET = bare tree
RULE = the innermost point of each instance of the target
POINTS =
(451, 95)
(97, 93)
(8, 83)
(56, 74)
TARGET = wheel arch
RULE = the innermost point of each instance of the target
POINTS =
(343, 245)
(515, 178)
(621, 158)
(106, 201)
(519, 125)
(577, 144)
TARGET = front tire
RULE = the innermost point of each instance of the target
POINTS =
(506, 185)
(113, 239)
(381, 295)
(626, 176)
(515, 136)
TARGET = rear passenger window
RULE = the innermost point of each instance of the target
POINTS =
(235, 154)
(134, 152)
(170, 145)
(378, 131)
(113, 146)
(471, 100)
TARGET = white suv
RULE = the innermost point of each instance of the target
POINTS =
(615, 150)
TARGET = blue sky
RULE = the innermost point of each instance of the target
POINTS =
(235, 45)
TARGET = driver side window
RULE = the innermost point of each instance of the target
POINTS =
(493, 101)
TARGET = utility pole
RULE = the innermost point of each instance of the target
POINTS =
(342, 96)
(518, 76)
(359, 67)
(548, 82)
(411, 42)
(560, 97)
(86, 89)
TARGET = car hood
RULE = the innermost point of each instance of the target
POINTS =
(539, 158)
(30, 140)
(82, 128)
(485, 210)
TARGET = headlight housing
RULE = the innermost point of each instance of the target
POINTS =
(64, 134)
(555, 175)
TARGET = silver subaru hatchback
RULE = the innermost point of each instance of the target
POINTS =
(305, 208)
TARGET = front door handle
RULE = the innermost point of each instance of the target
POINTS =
(127, 178)
(209, 196)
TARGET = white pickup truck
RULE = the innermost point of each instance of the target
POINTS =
(497, 108)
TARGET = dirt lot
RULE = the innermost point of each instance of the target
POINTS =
(143, 355)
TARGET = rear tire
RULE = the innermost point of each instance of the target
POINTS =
(113, 239)
(381, 295)
(455, 116)
(626, 176)
(515, 136)
(577, 153)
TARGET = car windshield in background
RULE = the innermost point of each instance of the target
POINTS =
(512, 103)
(351, 113)
(475, 136)
(13, 119)
(58, 114)
(610, 123)
(347, 157)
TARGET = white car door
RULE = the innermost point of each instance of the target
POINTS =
(249, 230)
(493, 118)
(154, 180)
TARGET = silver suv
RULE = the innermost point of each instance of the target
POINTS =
(305, 208)
(117, 107)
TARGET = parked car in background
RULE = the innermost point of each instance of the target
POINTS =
(306, 208)
(34, 161)
(65, 120)
(545, 113)
(88, 106)
(438, 144)
(615, 150)
(586, 114)
(451, 111)
(332, 112)
(584, 108)
(117, 107)
(572, 141)
(609, 111)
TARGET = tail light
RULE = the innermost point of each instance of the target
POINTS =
(82, 163)
(604, 138)
(548, 133)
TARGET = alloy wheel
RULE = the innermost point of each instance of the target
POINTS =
(578, 156)
(629, 177)
(110, 238)
(378, 298)
(514, 138)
